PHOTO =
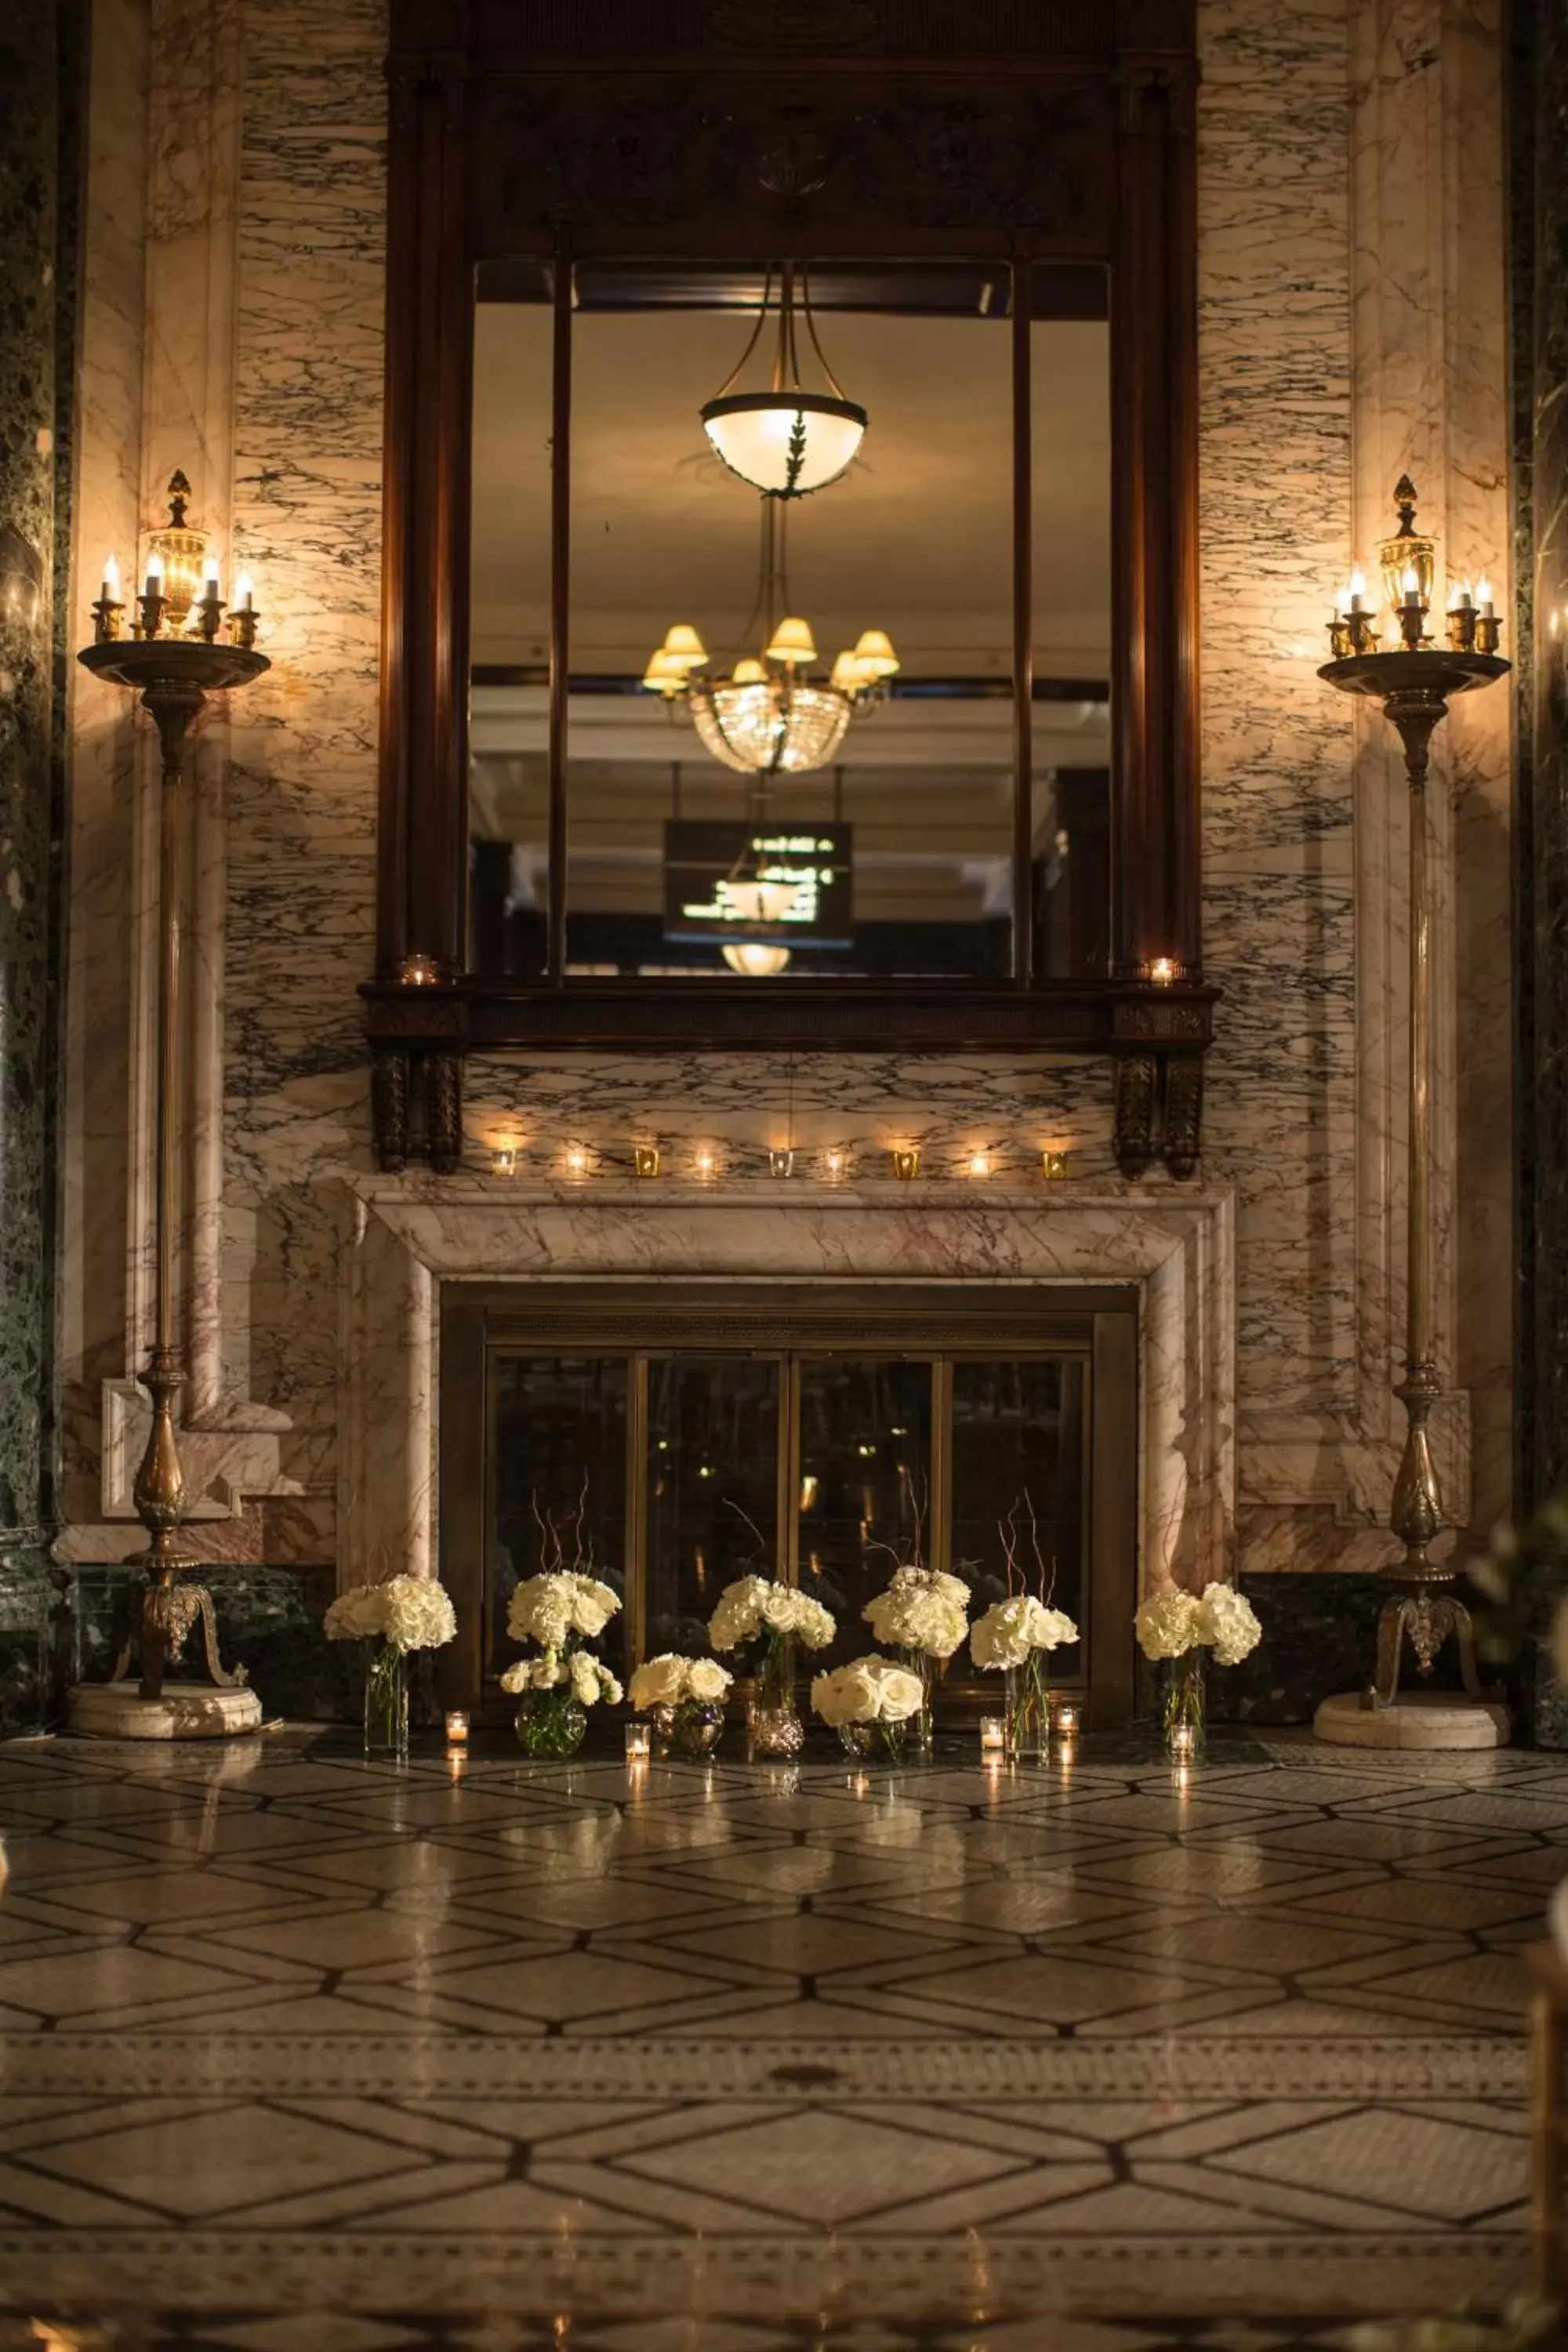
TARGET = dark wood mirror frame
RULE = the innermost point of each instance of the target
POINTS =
(562, 129)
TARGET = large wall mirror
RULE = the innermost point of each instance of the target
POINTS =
(791, 551)
(791, 739)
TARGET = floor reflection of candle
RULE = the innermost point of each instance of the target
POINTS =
(639, 1743)
(993, 1735)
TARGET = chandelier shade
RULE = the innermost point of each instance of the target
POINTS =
(784, 443)
(771, 725)
(754, 959)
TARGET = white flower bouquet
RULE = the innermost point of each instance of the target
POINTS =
(1176, 1627)
(409, 1612)
(758, 1614)
(1016, 1637)
(550, 1608)
(405, 1613)
(590, 1681)
(756, 1610)
(686, 1698)
(871, 1698)
(924, 1616)
(559, 1610)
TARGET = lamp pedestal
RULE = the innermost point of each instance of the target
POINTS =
(1415, 688)
(174, 677)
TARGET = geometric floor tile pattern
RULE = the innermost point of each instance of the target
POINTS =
(743, 2058)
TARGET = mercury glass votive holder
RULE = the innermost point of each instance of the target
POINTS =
(781, 1162)
(993, 1735)
(907, 1164)
(639, 1742)
(645, 1159)
(457, 1728)
(1053, 1164)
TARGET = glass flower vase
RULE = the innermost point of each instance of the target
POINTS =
(863, 1739)
(772, 1717)
(693, 1728)
(917, 1730)
(386, 1704)
(1027, 1709)
(551, 1724)
(1181, 1711)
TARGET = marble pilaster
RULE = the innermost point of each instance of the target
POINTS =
(1547, 944)
(31, 325)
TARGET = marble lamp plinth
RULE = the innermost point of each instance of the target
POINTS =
(1415, 1719)
(179, 1711)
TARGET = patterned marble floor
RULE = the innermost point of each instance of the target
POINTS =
(748, 2059)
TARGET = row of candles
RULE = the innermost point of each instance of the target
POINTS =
(993, 1732)
(904, 1161)
(1472, 622)
(158, 613)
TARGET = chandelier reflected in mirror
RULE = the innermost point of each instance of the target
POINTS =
(773, 713)
(786, 440)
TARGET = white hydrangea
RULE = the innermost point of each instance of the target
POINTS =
(1167, 1625)
(592, 1683)
(1228, 1623)
(669, 1681)
(755, 1605)
(1011, 1628)
(412, 1613)
(545, 1609)
(869, 1690)
(923, 1608)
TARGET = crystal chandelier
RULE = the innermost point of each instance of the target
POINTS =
(785, 441)
(771, 715)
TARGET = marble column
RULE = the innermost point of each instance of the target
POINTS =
(30, 63)
(1546, 260)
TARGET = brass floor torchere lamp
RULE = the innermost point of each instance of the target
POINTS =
(174, 659)
(1414, 681)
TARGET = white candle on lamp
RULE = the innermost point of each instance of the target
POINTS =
(1411, 586)
(1484, 597)
(111, 591)
(1357, 592)
(244, 596)
(154, 574)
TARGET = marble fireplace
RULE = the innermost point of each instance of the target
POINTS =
(420, 1250)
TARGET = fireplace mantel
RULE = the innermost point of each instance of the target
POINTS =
(413, 1236)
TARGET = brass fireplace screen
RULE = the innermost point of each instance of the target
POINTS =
(822, 1434)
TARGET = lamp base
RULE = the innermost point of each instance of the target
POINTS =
(181, 1711)
(1415, 1719)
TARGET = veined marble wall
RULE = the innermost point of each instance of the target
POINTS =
(1305, 115)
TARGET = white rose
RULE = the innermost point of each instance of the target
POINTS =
(419, 1613)
(706, 1680)
(900, 1694)
(660, 1682)
(847, 1694)
(815, 1623)
(737, 1617)
(921, 1610)
(1228, 1623)
(1167, 1624)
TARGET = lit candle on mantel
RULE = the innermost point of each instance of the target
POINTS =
(109, 592)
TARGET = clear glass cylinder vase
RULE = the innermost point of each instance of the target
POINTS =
(1181, 1711)
(1027, 1709)
(917, 1730)
(386, 1704)
(773, 1726)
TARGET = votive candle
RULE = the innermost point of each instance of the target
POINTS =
(993, 1735)
(639, 1743)
(457, 1728)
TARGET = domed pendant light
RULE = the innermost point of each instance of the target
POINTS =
(786, 441)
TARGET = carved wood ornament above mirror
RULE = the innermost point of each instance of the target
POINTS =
(555, 136)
